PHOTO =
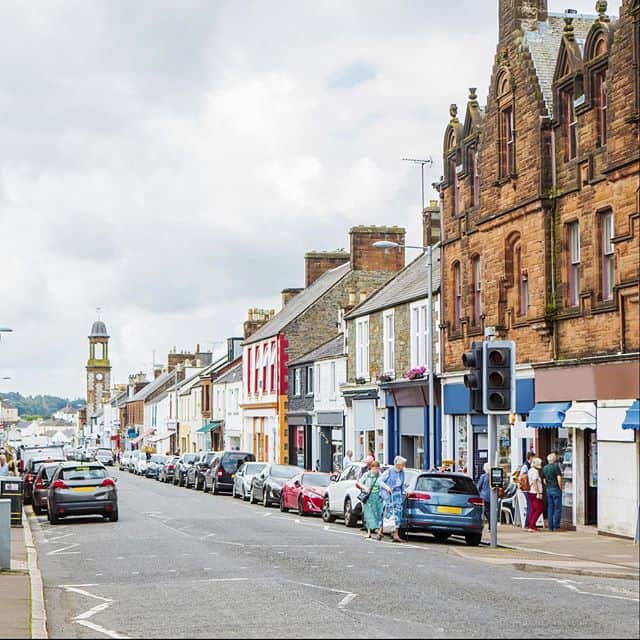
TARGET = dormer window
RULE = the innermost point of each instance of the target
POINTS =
(507, 142)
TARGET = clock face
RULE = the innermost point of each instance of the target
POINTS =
(99, 376)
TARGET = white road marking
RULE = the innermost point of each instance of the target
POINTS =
(346, 600)
(92, 612)
(228, 580)
(96, 627)
(348, 595)
(266, 515)
(65, 535)
(63, 551)
(571, 585)
(82, 592)
(135, 573)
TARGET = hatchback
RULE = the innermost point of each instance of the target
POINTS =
(81, 489)
(220, 474)
(167, 470)
(267, 484)
(41, 486)
(444, 504)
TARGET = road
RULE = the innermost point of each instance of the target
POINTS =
(183, 564)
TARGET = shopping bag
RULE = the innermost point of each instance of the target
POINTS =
(388, 520)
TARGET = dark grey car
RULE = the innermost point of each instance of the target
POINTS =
(82, 489)
(40, 491)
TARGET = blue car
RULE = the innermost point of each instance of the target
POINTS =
(443, 504)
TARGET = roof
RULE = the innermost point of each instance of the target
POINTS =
(544, 46)
(408, 285)
(300, 303)
(233, 375)
(334, 348)
(148, 389)
(99, 330)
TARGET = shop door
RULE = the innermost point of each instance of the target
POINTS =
(591, 477)
(325, 449)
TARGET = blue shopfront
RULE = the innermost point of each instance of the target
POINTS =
(408, 429)
(464, 434)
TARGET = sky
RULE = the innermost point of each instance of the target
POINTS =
(171, 162)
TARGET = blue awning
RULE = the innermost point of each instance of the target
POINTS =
(547, 415)
(632, 418)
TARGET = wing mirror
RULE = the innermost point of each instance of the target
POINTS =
(296, 483)
(333, 477)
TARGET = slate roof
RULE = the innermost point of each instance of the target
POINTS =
(409, 285)
(544, 46)
(233, 375)
(332, 349)
(154, 385)
(300, 303)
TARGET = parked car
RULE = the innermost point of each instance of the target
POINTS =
(89, 454)
(167, 470)
(244, 477)
(33, 465)
(195, 473)
(184, 462)
(153, 465)
(140, 463)
(26, 452)
(304, 492)
(267, 484)
(78, 488)
(104, 455)
(444, 504)
(125, 458)
(221, 472)
(41, 486)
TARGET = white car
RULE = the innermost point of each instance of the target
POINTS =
(140, 463)
(341, 496)
(125, 458)
(244, 477)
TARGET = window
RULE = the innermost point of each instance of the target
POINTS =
(256, 387)
(419, 338)
(522, 278)
(249, 370)
(333, 380)
(309, 381)
(507, 142)
(457, 296)
(570, 125)
(316, 381)
(264, 366)
(296, 382)
(388, 338)
(600, 95)
(477, 291)
(272, 367)
(456, 190)
(475, 178)
(573, 243)
(362, 347)
(606, 226)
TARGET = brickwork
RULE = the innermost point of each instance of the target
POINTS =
(288, 294)
(366, 257)
(318, 262)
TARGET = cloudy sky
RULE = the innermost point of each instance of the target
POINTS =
(171, 162)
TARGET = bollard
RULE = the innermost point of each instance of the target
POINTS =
(5, 534)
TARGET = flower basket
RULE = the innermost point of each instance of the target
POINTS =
(416, 373)
(385, 377)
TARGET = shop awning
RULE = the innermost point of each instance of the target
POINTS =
(159, 438)
(210, 427)
(581, 415)
(548, 415)
(144, 434)
(632, 418)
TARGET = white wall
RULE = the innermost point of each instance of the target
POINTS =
(325, 399)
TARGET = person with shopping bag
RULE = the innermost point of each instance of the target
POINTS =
(370, 498)
(393, 484)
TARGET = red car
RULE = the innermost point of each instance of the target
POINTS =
(304, 492)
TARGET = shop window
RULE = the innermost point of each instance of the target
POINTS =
(607, 255)
(573, 265)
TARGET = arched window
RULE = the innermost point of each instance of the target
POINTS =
(457, 295)
(506, 125)
(517, 278)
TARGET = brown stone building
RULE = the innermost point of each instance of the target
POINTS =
(540, 230)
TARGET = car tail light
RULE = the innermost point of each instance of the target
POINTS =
(108, 482)
(219, 473)
(171, 467)
(418, 495)
(59, 484)
(29, 477)
(40, 484)
(478, 501)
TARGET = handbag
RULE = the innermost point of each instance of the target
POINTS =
(363, 496)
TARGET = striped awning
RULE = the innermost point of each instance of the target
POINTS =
(632, 417)
(548, 415)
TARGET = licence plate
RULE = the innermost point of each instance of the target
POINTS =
(457, 510)
(84, 489)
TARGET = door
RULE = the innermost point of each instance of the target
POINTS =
(590, 477)
(480, 453)
(325, 449)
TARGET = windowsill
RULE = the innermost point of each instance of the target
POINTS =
(504, 180)
(602, 306)
(474, 330)
(455, 335)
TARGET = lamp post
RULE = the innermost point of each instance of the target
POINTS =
(388, 244)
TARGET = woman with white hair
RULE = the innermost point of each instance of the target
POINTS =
(535, 494)
(392, 482)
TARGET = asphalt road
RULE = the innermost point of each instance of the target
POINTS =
(183, 564)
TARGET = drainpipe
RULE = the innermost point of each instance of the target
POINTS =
(553, 242)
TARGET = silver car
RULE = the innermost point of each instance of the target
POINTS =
(243, 478)
(105, 456)
(78, 488)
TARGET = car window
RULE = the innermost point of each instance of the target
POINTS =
(353, 473)
(282, 471)
(159, 459)
(251, 468)
(315, 480)
(190, 457)
(82, 473)
(446, 484)
(47, 472)
(230, 461)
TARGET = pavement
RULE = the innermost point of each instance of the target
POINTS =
(181, 563)
(582, 552)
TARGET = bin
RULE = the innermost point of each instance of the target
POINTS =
(11, 488)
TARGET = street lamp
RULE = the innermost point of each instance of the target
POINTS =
(5, 330)
(388, 244)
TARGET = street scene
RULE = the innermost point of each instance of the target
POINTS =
(320, 321)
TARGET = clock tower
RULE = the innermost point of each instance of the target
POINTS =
(98, 368)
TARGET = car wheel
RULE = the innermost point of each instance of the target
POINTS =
(252, 497)
(473, 539)
(350, 519)
(113, 516)
(53, 518)
(441, 537)
(301, 511)
(283, 509)
(245, 497)
(327, 516)
(37, 510)
(265, 499)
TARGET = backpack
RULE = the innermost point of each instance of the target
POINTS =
(523, 482)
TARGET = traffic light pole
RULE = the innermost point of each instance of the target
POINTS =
(492, 421)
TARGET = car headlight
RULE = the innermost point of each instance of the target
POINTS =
(313, 494)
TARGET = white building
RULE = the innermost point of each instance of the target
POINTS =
(226, 413)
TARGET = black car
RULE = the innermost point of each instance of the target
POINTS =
(196, 472)
(220, 474)
(167, 469)
(267, 484)
(184, 462)
(153, 465)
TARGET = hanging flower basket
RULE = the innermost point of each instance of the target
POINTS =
(416, 373)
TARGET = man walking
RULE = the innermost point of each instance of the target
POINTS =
(552, 477)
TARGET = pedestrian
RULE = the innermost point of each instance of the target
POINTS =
(369, 460)
(4, 467)
(484, 489)
(371, 453)
(347, 460)
(552, 478)
(523, 484)
(392, 482)
(535, 494)
(372, 509)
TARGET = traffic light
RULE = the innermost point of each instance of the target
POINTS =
(472, 360)
(499, 374)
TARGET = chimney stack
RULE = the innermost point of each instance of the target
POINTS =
(289, 294)
(255, 319)
(366, 257)
(431, 224)
(318, 262)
